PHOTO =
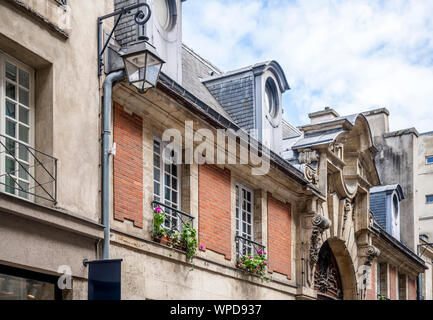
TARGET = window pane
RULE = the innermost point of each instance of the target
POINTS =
(24, 97)
(24, 134)
(10, 165)
(429, 198)
(23, 169)
(174, 196)
(24, 79)
(10, 185)
(167, 194)
(156, 174)
(10, 109)
(167, 180)
(11, 72)
(23, 153)
(156, 188)
(429, 160)
(24, 115)
(25, 187)
(10, 147)
(11, 91)
(10, 128)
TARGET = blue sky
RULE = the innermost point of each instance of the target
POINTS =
(352, 55)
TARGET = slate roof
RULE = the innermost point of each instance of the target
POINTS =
(194, 69)
(326, 135)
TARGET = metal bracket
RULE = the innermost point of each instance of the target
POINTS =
(140, 18)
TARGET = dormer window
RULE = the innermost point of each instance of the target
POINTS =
(395, 208)
(271, 98)
(166, 13)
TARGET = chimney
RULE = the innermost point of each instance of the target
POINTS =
(324, 115)
(379, 123)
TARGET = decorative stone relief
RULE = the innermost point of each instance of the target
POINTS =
(372, 253)
(320, 224)
(308, 156)
(337, 149)
(311, 175)
(348, 208)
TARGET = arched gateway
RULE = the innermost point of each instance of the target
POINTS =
(327, 279)
(335, 239)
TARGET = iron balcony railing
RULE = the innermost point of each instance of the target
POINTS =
(26, 172)
(245, 246)
(175, 220)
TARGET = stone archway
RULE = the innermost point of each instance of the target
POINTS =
(327, 279)
(334, 275)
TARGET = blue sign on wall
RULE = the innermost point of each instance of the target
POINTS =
(104, 279)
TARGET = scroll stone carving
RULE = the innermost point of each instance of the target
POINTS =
(311, 175)
(320, 224)
(372, 252)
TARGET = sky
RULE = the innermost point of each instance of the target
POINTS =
(351, 55)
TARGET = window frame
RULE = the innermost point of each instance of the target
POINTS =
(238, 218)
(4, 57)
(162, 181)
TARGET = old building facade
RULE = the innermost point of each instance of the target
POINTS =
(310, 211)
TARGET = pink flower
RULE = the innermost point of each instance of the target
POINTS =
(158, 209)
(264, 252)
(260, 252)
(201, 247)
(265, 262)
(250, 257)
(258, 267)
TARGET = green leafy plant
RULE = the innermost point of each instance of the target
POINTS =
(382, 298)
(255, 264)
(189, 240)
(158, 221)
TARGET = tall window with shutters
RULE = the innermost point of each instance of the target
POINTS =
(166, 183)
(17, 118)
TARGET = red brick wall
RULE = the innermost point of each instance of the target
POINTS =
(128, 167)
(371, 289)
(279, 237)
(411, 289)
(214, 196)
(392, 283)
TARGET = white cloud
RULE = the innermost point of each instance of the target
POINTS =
(351, 55)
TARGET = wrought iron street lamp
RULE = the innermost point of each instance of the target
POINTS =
(142, 65)
(140, 59)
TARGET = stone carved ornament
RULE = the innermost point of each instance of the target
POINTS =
(311, 175)
(337, 149)
(320, 224)
(308, 156)
(372, 252)
(347, 209)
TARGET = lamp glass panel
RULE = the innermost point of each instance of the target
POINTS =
(153, 68)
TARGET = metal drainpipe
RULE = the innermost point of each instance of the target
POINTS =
(106, 134)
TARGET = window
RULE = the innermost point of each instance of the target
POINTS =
(165, 11)
(244, 219)
(166, 184)
(16, 118)
(271, 98)
(395, 208)
(429, 198)
(18, 284)
(429, 160)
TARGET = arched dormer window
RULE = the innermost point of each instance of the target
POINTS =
(271, 99)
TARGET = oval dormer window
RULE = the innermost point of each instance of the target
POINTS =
(166, 13)
(271, 98)
(395, 208)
